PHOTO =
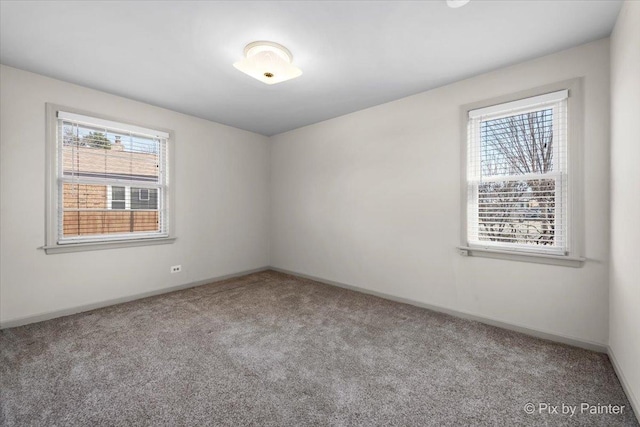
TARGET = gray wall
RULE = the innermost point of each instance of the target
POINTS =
(372, 199)
(624, 326)
(221, 182)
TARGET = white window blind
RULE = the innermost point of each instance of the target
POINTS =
(517, 177)
(99, 164)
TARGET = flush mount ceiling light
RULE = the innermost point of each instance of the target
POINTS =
(454, 4)
(268, 62)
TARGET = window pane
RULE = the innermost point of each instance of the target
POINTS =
(518, 144)
(518, 212)
(85, 212)
(99, 153)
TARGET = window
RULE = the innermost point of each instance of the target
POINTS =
(143, 194)
(132, 198)
(518, 178)
(118, 198)
(109, 182)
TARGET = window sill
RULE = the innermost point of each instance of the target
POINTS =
(567, 261)
(97, 246)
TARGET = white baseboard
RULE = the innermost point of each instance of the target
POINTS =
(457, 313)
(635, 403)
(87, 307)
(576, 342)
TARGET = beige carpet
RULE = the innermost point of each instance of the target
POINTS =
(272, 349)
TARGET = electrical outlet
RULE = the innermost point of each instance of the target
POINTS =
(176, 269)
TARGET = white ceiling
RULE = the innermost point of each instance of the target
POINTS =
(354, 55)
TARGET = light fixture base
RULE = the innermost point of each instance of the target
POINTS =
(268, 62)
(455, 4)
(264, 46)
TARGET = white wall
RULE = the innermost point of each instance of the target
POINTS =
(372, 199)
(624, 294)
(221, 179)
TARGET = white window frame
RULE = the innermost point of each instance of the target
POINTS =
(140, 194)
(52, 240)
(574, 200)
(127, 197)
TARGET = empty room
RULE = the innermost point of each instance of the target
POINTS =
(332, 213)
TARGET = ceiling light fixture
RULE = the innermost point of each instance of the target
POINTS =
(268, 62)
(454, 4)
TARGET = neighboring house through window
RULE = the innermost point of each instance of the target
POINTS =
(110, 181)
(131, 198)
